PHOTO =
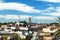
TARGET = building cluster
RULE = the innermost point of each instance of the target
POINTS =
(42, 31)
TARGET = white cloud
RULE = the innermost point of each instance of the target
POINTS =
(26, 17)
(52, 11)
(57, 1)
(38, 19)
(45, 18)
(11, 16)
(51, 8)
(56, 13)
(19, 7)
(14, 16)
(1, 16)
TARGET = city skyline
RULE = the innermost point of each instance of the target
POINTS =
(40, 11)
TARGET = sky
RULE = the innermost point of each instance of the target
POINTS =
(40, 11)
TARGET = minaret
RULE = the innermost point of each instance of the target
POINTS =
(18, 22)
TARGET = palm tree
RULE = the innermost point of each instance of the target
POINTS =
(58, 21)
(56, 35)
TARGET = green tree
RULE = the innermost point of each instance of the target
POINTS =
(5, 37)
(15, 36)
(36, 39)
(57, 34)
(58, 21)
(23, 22)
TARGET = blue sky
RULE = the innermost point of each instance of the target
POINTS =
(40, 11)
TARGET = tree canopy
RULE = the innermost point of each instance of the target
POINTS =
(57, 34)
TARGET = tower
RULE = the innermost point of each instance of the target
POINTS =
(29, 20)
(29, 25)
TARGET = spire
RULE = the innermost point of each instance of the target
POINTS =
(18, 22)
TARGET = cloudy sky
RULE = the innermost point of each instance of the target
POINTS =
(40, 11)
